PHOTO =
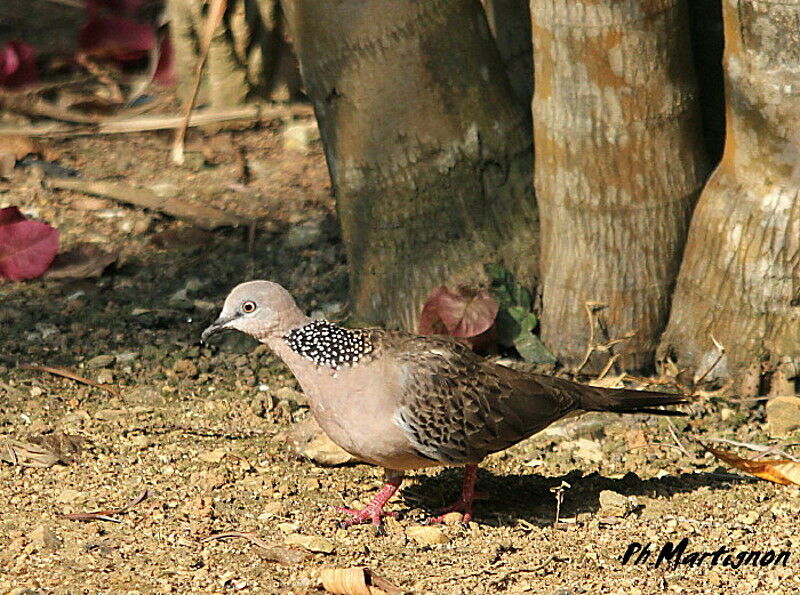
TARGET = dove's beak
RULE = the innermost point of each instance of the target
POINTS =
(219, 325)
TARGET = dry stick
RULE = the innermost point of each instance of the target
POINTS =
(270, 552)
(106, 515)
(537, 568)
(558, 491)
(721, 348)
(673, 431)
(200, 215)
(161, 122)
(71, 375)
(215, 12)
(653, 445)
(26, 103)
(251, 537)
(589, 307)
(608, 365)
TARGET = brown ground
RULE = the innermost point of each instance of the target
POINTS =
(199, 427)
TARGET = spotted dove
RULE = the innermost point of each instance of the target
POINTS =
(404, 401)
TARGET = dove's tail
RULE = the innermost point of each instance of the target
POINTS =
(623, 400)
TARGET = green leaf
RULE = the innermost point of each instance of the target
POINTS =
(496, 272)
(531, 348)
(515, 328)
(523, 298)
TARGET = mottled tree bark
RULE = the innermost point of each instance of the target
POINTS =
(619, 164)
(248, 58)
(510, 23)
(428, 149)
(740, 278)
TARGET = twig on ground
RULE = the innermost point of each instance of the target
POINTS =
(147, 123)
(558, 491)
(200, 215)
(110, 514)
(674, 432)
(611, 361)
(268, 551)
(64, 373)
(537, 568)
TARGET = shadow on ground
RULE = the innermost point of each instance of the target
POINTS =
(511, 498)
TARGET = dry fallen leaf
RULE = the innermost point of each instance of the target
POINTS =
(356, 581)
(27, 454)
(326, 452)
(782, 471)
(65, 446)
(307, 439)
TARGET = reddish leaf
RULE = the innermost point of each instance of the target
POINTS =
(10, 215)
(113, 7)
(115, 38)
(18, 65)
(465, 313)
(26, 247)
(165, 71)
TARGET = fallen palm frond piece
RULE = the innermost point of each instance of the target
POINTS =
(267, 551)
(117, 125)
(358, 580)
(109, 514)
(64, 373)
(780, 471)
(200, 215)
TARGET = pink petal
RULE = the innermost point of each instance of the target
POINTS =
(18, 65)
(27, 248)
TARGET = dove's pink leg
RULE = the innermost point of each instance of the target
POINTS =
(468, 495)
(373, 512)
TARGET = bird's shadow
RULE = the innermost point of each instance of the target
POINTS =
(511, 498)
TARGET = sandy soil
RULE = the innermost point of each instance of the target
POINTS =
(202, 428)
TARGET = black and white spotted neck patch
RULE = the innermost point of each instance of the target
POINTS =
(326, 344)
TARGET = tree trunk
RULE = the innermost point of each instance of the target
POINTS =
(510, 23)
(619, 164)
(248, 57)
(740, 279)
(429, 151)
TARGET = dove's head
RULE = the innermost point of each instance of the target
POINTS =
(261, 309)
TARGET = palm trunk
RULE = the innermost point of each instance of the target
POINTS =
(620, 161)
(739, 283)
(248, 58)
(428, 150)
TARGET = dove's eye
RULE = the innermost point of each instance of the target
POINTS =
(249, 307)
